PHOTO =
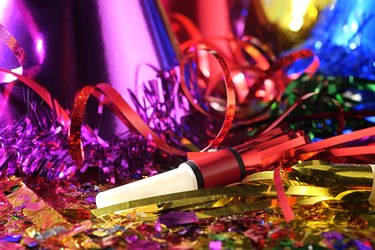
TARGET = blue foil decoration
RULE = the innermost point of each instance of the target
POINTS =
(344, 39)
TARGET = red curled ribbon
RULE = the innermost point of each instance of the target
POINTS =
(230, 100)
(268, 78)
(121, 108)
(61, 114)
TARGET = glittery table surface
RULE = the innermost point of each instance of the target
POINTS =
(36, 214)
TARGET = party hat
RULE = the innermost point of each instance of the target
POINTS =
(75, 43)
(71, 44)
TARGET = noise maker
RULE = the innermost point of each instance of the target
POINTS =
(208, 169)
(213, 169)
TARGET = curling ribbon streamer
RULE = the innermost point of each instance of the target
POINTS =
(333, 141)
(20, 54)
(283, 63)
(271, 144)
(290, 149)
(263, 66)
(61, 114)
(44, 94)
(122, 109)
(16, 49)
(269, 148)
(230, 100)
(276, 72)
(352, 151)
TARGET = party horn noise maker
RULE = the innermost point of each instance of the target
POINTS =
(209, 169)
(212, 169)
